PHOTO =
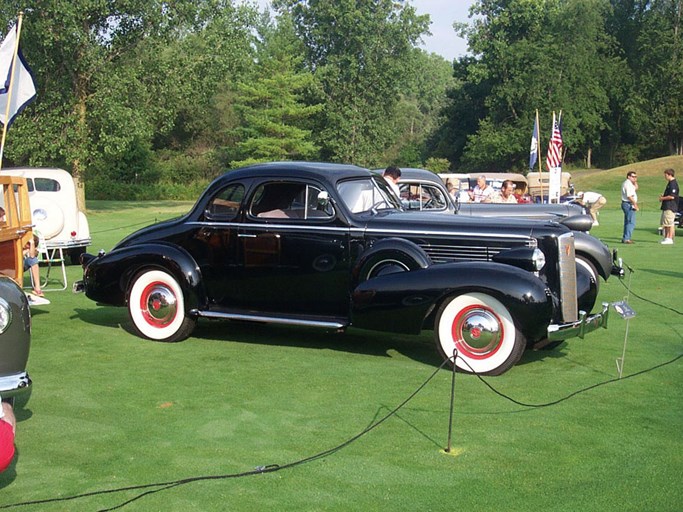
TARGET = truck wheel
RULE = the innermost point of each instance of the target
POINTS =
(157, 307)
(482, 331)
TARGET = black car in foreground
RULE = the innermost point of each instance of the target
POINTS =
(15, 340)
(329, 245)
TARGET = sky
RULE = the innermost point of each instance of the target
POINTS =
(443, 13)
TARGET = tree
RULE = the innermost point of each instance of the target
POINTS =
(102, 77)
(271, 102)
(546, 55)
(357, 49)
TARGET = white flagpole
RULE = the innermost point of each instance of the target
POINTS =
(11, 86)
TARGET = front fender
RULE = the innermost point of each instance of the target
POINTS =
(106, 278)
(595, 250)
(406, 302)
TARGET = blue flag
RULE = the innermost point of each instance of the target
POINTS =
(21, 91)
(533, 152)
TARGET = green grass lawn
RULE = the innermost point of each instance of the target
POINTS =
(110, 410)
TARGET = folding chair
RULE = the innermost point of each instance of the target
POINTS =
(49, 257)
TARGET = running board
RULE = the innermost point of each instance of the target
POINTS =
(286, 320)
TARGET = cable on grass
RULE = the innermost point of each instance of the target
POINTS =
(648, 300)
(259, 470)
(571, 395)
(143, 223)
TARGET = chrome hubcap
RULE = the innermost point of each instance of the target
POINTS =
(477, 331)
(159, 304)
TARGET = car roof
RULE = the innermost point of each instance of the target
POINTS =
(412, 173)
(35, 172)
(330, 172)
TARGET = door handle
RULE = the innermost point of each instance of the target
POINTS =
(245, 235)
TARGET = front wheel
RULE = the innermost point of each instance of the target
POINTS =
(157, 307)
(480, 328)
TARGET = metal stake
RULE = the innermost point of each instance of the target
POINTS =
(450, 419)
(620, 360)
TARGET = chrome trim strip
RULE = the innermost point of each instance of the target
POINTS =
(271, 319)
(361, 231)
(66, 244)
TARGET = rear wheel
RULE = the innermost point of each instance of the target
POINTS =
(480, 328)
(157, 307)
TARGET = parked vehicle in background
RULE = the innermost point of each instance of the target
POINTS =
(540, 182)
(54, 209)
(15, 316)
(423, 190)
(329, 246)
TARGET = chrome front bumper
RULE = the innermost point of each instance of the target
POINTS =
(581, 327)
(12, 385)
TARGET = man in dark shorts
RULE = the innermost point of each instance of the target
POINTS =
(669, 200)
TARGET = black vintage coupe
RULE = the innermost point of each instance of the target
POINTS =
(329, 245)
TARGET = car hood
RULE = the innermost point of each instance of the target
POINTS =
(461, 225)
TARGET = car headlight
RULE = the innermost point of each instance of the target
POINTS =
(5, 315)
(538, 259)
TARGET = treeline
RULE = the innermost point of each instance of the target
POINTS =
(151, 99)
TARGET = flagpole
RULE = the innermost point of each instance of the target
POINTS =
(559, 123)
(11, 86)
(538, 144)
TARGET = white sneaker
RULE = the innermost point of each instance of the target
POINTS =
(596, 223)
(667, 241)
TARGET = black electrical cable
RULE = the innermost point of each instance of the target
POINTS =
(648, 300)
(143, 223)
(567, 397)
(162, 486)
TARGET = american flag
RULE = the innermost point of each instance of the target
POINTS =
(555, 147)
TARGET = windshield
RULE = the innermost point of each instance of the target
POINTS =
(372, 193)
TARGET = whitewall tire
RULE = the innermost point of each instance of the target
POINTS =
(480, 328)
(157, 307)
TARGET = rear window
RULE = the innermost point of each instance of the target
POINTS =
(44, 185)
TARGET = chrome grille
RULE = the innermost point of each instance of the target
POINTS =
(445, 253)
(567, 268)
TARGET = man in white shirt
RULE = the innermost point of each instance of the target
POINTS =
(629, 205)
(392, 174)
(593, 201)
(506, 194)
(482, 191)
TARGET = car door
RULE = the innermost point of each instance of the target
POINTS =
(294, 255)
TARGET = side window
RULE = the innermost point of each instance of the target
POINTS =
(46, 185)
(226, 204)
(290, 201)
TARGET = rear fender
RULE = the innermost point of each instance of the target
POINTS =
(107, 278)
(406, 302)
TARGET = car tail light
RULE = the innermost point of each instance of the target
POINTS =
(73, 234)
